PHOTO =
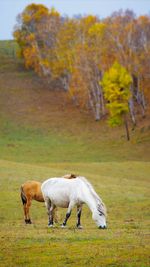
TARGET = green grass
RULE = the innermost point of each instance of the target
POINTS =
(37, 145)
(124, 189)
(42, 135)
(8, 55)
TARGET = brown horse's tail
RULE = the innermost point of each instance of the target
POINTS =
(23, 196)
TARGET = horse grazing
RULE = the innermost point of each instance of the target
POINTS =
(65, 193)
(32, 190)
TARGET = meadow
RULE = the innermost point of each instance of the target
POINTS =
(42, 135)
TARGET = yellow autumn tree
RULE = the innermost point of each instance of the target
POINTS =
(116, 85)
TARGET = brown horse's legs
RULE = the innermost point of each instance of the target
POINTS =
(27, 215)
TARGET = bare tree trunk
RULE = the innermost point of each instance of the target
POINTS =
(95, 100)
(91, 102)
(139, 95)
(141, 102)
(97, 112)
(65, 81)
(126, 127)
(131, 109)
(45, 71)
(102, 103)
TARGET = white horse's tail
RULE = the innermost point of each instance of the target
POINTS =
(100, 205)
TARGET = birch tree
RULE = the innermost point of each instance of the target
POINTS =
(116, 84)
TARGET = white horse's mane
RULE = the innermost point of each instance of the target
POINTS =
(100, 205)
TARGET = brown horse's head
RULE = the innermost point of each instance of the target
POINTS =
(70, 176)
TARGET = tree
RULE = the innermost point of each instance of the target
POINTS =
(63, 53)
(128, 40)
(87, 72)
(78, 51)
(35, 33)
(116, 85)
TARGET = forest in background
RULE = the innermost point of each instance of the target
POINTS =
(103, 64)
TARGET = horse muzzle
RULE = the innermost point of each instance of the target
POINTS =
(102, 227)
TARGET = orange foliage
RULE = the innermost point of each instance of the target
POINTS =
(81, 50)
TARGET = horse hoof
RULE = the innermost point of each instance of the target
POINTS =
(79, 226)
(50, 225)
(28, 221)
(63, 226)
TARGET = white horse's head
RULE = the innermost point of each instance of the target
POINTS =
(99, 216)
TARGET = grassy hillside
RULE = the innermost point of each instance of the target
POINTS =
(43, 135)
(39, 124)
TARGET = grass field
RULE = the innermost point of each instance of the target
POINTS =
(123, 187)
(42, 135)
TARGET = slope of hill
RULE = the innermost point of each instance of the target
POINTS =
(40, 124)
(43, 135)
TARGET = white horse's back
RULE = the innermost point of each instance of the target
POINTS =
(61, 191)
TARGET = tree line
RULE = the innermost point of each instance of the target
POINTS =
(103, 64)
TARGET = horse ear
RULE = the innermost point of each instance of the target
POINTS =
(73, 175)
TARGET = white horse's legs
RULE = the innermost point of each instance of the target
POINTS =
(51, 216)
(79, 210)
(49, 211)
(71, 205)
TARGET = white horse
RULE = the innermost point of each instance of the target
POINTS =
(61, 192)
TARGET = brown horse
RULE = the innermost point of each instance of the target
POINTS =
(32, 190)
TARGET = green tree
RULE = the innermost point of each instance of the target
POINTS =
(116, 85)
